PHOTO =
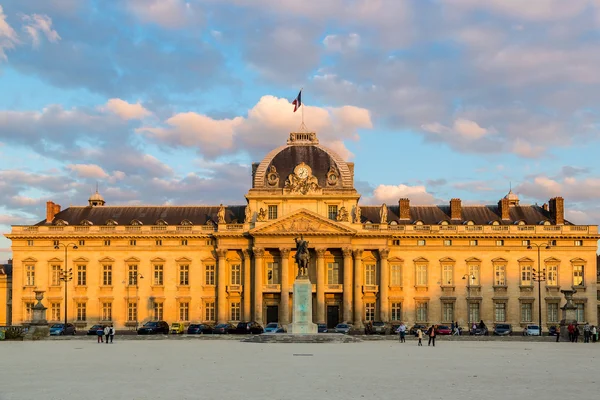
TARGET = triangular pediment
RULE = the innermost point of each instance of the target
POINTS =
(302, 222)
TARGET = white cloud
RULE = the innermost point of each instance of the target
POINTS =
(126, 110)
(342, 43)
(87, 171)
(166, 13)
(464, 128)
(525, 149)
(534, 10)
(8, 36)
(37, 24)
(390, 194)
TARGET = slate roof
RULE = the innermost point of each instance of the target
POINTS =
(6, 269)
(287, 159)
(148, 215)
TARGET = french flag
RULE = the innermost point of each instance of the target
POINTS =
(297, 101)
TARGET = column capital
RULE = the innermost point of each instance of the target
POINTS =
(246, 253)
(259, 252)
(384, 253)
(347, 252)
(285, 252)
(320, 252)
(357, 253)
(221, 253)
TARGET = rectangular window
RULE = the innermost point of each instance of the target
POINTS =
(578, 275)
(474, 275)
(499, 242)
(29, 310)
(474, 312)
(184, 275)
(55, 311)
(184, 242)
(107, 311)
(552, 275)
(421, 275)
(526, 312)
(332, 212)
(448, 312)
(473, 243)
(272, 273)
(132, 312)
(30, 275)
(552, 242)
(210, 277)
(158, 242)
(396, 277)
(369, 311)
(56, 242)
(500, 312)
(30, 243)
(107, 242)
(158, 275)
(81, 275)
(500, 275)
(55, 277)
(396, 311)
(236, 274)
(209, 311)
(526, 275)
(272, 212)
(552, 312)
(132, 242)
(184, 311)
(236, 311)
(447, 275)
(396, 242)
(421, 312)
(158, 311)
(579, 243)
(82, 242)
(447, 242)
(370, 274)
(333, 273)
(421, 242)
(81, 312)
(107, 275)
(580, 312)
(525, 242)
(132, 275)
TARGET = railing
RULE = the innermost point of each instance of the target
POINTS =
(107, 228)
(56, 228)
(370, 288)
(159, 228)
(334, 288)
(183, 228)
(234, 288)
(272, 288)
(82, 228)
(235, 227)
(371, 227)
(133, 228)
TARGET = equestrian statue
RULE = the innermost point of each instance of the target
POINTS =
(302, 256)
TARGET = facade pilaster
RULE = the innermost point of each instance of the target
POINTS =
(222, 286)
(358, 281)
(321, 285)
(347, 299)
(258, 292)
(384, 284)
(247, 283)
(284, 311)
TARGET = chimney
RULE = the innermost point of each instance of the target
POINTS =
(404, 208)
(503, 207)
(557, 210)
(56, 208)
(455, 209)
(50, 211)
(545, 207)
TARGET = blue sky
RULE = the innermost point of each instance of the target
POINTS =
(170, 101)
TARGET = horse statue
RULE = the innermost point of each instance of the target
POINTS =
(302, 256)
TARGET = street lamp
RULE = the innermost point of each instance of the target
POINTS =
(133, 277)
(66, 275)
(539, 276)
(470, 279)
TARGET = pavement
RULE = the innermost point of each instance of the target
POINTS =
(225, 369)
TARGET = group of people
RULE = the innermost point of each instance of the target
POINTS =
(431, 332)
(108, 332)
(589, 332)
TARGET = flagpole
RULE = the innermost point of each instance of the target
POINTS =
(302, 126)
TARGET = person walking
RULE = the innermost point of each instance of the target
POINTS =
(431, 335)
(99, 333)
(575, 332)
(402, 332)
(107, 333)
(112, 333)
(420, 337)
(571, 330)
(586, 333)
(594, 333)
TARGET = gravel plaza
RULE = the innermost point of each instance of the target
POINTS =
(193, 369)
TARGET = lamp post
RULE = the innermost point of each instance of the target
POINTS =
(539, 276)
(66, 275)
(470, 279)
(133, 277)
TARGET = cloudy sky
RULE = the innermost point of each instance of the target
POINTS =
(169, 101)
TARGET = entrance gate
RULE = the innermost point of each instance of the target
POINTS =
(272, 314)
(333, 316)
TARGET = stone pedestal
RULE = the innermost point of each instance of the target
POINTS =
(302, 319)
(38, 329)
(569, 314)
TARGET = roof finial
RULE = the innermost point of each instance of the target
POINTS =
(96, 186)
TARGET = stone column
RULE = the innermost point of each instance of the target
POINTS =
(258, 290)
(247, 283)
(347, 299)
(284, 311)
(358, 281)
(384, 284)
(222, 286)
(321, 285)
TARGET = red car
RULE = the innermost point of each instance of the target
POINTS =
(443, 330)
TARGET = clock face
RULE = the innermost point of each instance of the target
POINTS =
(302, 172)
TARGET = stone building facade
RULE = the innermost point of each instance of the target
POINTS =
(401, 262)
(6, 293)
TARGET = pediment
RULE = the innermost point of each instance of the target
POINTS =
(52, 260)
(420, 260)
(447, 260)
(525, 260)
(106, 259)
(578, 260)
(552, 260)
(302, 222)
(395, 260)
(473, 260)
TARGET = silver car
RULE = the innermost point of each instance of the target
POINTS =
(343, 328)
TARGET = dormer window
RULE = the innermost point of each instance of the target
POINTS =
(419, 222)
(186, 222)
(111, 222)
(545, 222)
(520, 222)
(136, 222)
(495, 223)
(470, 223)
(86, 222)
(161, 222)
(61, 222)
(444, 223)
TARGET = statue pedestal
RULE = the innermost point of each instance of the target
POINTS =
(569, 314)
(302, 308)
(38, 329)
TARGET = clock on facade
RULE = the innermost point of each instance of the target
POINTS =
(302, 172)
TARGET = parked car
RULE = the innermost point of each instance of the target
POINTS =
(322, 328)
(531, 330)
(274, 327)
(415, 327)
(223, 329)
(195, 329)
(343, 328)
(380, 328)
(177, 328)
(443, 330)
(251, 327)
(553, 330)
(60, 330)
(154, 328)
(94, 329)
(479, 331)
(503, 330)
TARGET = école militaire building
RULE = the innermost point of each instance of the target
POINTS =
(396, 262)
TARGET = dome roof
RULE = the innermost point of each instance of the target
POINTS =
(511, 196)
(96, 197)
